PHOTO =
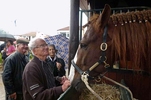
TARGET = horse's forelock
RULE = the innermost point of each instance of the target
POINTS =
(93, 30)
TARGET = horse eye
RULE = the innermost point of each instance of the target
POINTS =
(82, 45)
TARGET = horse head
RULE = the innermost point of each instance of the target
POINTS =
(122, 38)
(91, 58)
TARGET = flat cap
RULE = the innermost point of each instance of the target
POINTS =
(22, 40)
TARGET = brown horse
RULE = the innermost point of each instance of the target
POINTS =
(116, 46)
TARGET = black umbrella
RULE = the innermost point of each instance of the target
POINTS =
(4, 36)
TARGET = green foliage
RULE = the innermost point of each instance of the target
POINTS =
(31, 56)
(1, 59)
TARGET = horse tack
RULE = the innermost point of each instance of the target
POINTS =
(102, 59)
(125, 20)
(85, 74)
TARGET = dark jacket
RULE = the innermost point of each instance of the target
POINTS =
(35, 86)
(57, 72)
(12, 74)
(4, 56)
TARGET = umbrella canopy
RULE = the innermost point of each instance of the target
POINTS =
(4, 36)
(62, 45)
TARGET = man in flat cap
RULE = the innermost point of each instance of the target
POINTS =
(13, 69)
(22, 40)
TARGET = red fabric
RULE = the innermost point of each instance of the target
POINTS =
(10, 49)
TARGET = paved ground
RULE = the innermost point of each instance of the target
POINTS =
(2, 92)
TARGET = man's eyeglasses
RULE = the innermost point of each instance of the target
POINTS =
(42, 46)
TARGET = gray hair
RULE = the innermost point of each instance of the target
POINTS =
(32, 43)
(52, 45)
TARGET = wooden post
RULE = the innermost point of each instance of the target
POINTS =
(74, 29)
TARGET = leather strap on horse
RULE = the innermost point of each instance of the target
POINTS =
(76, 67)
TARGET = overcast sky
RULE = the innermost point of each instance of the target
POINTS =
(34, 15)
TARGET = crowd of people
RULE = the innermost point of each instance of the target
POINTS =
(7, 49)
(41, 78)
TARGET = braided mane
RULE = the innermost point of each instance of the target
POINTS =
(131, 38)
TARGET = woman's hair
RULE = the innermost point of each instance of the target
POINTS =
(11, 42)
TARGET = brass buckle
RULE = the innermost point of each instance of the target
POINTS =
(106, 65)
(103, 47)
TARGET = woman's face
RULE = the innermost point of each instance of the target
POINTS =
(52, 51)
(8, 43)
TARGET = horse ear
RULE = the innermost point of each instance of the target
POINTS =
(104, 16)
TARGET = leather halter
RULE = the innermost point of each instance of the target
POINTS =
(102, 58)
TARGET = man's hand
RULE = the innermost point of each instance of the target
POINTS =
(63, 79)
(58, 65)
(13, 96)
(65, 85)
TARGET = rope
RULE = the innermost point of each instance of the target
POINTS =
(84, 78)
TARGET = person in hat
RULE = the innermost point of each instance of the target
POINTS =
(13, 68)
(58, 64)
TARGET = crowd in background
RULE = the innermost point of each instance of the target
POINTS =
(48, 78)
(7, 49)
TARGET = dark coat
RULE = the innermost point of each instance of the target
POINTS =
(35, 85)
(57, 72)
(2, 46)
(12, 74)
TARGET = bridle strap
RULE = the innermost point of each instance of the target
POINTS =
(102, 58)
(103, 46)
(105, 34)
(76, 67)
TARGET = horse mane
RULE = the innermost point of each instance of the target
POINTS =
(132, 41)
(131, 38)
